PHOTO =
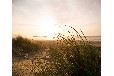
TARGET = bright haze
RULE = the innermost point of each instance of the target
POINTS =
(42, 17)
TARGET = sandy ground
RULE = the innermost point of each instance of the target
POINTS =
(30, 65)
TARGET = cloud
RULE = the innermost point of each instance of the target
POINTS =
(71, 12)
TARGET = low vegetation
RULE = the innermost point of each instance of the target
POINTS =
(64, 56)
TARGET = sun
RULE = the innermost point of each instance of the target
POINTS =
(49, 28)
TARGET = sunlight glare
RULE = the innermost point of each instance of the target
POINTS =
(49, 28)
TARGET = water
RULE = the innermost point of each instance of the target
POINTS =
(93, 38)
(89, 38)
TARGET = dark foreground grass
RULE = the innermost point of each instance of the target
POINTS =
(65, 56)
(55, 58)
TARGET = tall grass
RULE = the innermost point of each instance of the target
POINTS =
(76, 58)
(65, 56)
(23, 46)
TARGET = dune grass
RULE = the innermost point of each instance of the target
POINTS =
(62, 57)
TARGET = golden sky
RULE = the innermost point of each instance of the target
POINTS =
(42, 17)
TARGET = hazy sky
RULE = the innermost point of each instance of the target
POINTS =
(30, 16)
